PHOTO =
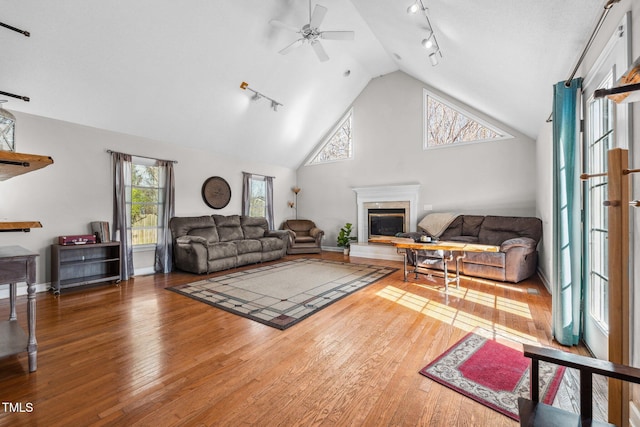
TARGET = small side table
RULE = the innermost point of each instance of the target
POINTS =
(19, 265)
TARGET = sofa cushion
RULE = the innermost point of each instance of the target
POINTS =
(229, 228)
(497, 229)
(454, 229)
(471, 224)
(222, 250)
(210, 234)
(464, 239)
(180, 226)
(246, 246)
(254, 227)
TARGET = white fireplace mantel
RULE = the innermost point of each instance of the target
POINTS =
(386, 193)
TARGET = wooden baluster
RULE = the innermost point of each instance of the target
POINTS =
(618, 203)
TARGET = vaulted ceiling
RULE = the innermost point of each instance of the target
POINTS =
(171, 71)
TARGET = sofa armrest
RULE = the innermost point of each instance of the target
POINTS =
(281, 234)
(519, 242)
(316, 233)
(191, 253)
(521, 258)
(188, 240)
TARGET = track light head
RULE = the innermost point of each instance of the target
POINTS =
(433, 57)
(413, 8)
(428, 42)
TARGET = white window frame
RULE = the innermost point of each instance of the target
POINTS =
(502, 134)
(262, 179)
(327, 139)
(142, 161)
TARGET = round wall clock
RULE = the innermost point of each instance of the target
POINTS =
(216, 192)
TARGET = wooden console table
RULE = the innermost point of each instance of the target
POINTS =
(446, 249)
(19, 265)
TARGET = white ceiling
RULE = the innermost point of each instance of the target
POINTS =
(171, 71)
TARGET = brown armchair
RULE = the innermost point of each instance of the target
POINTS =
(306, 238)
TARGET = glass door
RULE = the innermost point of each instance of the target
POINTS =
(598, 139)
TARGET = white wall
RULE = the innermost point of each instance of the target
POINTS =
(486, 178)
(78, 188)
(544, 200)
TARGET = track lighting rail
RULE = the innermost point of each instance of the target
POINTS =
(257, 95)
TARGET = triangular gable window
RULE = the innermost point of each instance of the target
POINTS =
(339, 146)
(446, 125)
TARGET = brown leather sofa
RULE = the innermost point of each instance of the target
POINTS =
(306, 238)
(517, 237)
(206, 244)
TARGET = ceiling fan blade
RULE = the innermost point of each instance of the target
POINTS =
(292, 46)
(322, 55)
(337, 35)
(318, 16)
(280, 24)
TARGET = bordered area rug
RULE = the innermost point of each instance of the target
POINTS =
(491, 373)
(281, 295)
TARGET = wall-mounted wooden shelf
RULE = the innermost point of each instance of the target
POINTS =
(14, 164)
(19, 225)
(627, 88)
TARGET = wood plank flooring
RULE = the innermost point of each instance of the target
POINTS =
(139, 355)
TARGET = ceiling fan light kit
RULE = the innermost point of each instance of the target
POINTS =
(311, 34)
(430, 43)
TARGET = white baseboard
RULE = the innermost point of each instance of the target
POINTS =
(144, 271)
(545, 280)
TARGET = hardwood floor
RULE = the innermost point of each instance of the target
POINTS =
(137, 354)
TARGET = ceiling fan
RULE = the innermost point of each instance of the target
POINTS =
(311, 34)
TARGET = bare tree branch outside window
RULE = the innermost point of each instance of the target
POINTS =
(339, 146)
(446, 126)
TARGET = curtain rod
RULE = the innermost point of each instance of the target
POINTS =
(266, 176)
(144, 157)
(605, 11)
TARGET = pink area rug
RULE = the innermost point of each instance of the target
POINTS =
(492, 373)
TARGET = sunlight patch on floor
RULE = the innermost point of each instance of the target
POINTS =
(460, 319)
(488, 300)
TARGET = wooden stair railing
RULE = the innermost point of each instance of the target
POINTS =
(534, 413)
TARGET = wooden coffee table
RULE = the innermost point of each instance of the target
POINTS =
(447, 251)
